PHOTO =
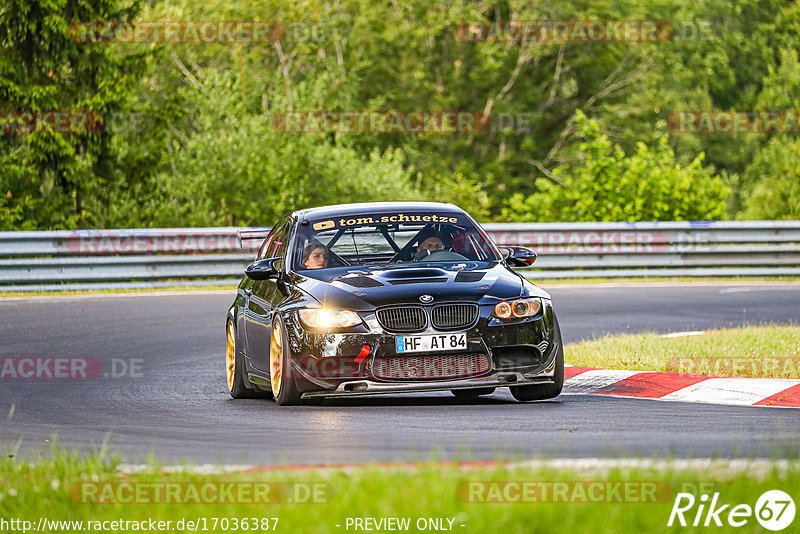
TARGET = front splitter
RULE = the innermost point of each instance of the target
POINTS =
(360, 388)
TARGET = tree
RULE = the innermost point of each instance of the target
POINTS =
(42, 69)
(775, 178)
(770, 186)
(610, 186)
(236, 168)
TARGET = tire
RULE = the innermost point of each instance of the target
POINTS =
(471, 393)
(545, 391)
(239, 386)
(284, 387)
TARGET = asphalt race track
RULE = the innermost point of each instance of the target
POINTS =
(171, 400)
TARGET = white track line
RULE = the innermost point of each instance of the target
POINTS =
(43, 298)
(757, 288)
(685, 334)
(600, 285)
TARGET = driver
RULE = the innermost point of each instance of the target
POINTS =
(429, 243)
(432, 243)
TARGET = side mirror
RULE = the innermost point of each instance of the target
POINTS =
(262, 269)
(518, 256)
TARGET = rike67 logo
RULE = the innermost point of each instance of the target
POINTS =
(774, 510)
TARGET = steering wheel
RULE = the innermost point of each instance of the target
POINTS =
(441, 255)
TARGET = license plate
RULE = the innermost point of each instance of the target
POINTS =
(434, 343)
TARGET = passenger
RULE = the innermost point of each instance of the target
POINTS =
(315, 256)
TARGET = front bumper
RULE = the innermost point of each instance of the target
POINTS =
(360, 388)
(324, 364)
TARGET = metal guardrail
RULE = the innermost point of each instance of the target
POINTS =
(88, 259)
(729, 248)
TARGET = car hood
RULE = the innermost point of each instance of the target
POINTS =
(366, 288)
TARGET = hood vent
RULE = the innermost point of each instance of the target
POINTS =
(417, 281)
(359, 281)
(469, 276)
(399, 274)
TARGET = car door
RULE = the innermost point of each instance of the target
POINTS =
(246, 288)
(246, 321)
(261, 301)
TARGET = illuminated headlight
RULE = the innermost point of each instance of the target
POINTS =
(516, 309)
(327, 318)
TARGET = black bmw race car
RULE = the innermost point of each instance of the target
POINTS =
(362, 299)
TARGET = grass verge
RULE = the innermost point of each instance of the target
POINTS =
(465, 500)
(658, 279)
(114, 291)
(757, 351)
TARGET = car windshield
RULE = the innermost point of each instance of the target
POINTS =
(385, 238)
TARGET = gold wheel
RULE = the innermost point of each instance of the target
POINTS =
(230, 357)
(276, 359)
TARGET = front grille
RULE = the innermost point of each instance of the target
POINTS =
(453, 316)
(432, 367)
(403, 319)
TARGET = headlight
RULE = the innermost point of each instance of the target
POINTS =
(328, 318)
(519, 308)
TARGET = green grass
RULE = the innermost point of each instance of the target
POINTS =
(657, 279)
(30, 490)
(758, 351)
(113, 291)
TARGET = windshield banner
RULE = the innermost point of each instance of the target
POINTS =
(347, 222)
